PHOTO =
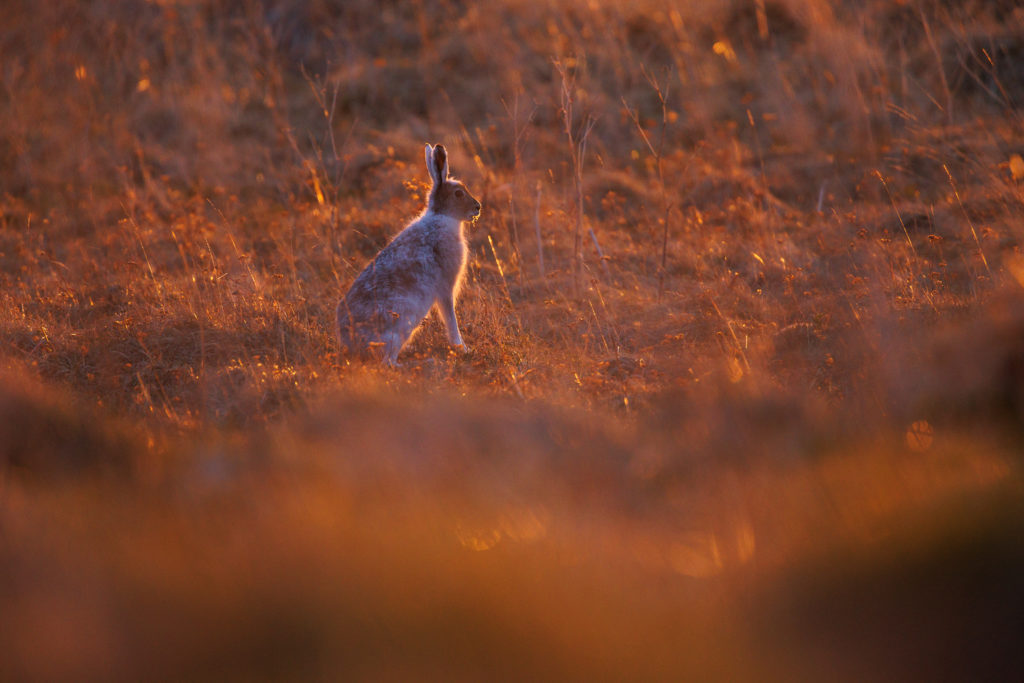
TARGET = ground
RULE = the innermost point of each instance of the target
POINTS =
(745, 390)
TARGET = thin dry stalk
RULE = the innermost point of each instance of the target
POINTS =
(577, 141)
(520, 127)
(600, 255)
(970, 223)
(536, 228)
(899, 216)
(501, 271)
(938, 65)
(514, 234)
(657, 152)
(732, 333)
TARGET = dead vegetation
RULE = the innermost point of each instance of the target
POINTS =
(744, 365)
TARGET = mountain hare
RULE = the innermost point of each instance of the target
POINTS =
(422, 267)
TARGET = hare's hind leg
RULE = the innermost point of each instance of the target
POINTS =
(392, 345)
(344, 327)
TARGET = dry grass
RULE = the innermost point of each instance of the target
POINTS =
(755, 416)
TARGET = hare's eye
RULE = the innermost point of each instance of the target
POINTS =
(460, 194)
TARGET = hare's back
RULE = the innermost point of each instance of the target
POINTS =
(406, 266)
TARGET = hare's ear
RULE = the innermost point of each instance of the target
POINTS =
(440, 163)
(431, 169)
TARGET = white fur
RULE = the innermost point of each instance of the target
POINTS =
(420, 269)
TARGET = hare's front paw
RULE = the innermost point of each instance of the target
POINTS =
(460, 349)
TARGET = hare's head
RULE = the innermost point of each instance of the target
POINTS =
(448, 196)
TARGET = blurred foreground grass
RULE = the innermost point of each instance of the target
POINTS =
(499, 542)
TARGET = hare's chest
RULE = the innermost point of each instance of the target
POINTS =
(451, 255)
